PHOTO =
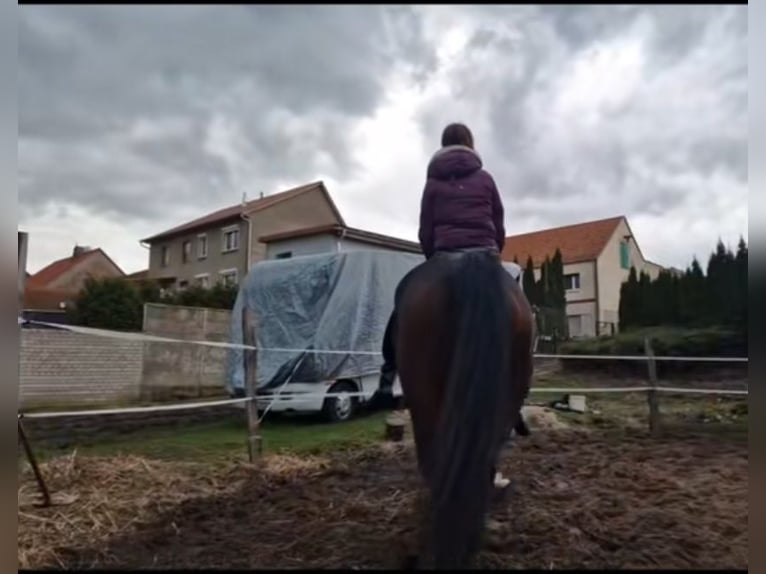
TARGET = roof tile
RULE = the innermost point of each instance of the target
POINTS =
(579, 242)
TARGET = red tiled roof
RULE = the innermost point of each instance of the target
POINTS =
(37, 299)
(577, 243)
(235, 211)
(56, 269)
(348, 232)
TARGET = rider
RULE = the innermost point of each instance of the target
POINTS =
(461, 210)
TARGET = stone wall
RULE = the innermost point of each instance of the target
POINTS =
(64, 368)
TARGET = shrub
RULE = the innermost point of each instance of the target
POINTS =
(666, 341)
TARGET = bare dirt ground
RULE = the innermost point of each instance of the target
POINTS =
(578, 499)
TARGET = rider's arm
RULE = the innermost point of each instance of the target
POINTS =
(426, 233)
(498, 217)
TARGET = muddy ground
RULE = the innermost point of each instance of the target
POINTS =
(578, 500)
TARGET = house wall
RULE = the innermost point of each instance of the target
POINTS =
(310, 209)
(311, 245)
(96, 265)
(213, 264)
(320, 243)
(611, 274)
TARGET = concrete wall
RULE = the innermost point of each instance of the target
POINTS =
(60, 368)
(215, 261)
(177, 370)
(63, 368)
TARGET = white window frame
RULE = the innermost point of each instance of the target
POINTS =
(223, 273)
(224, 232)
(200, 254)
(579, 283)
(198, 279)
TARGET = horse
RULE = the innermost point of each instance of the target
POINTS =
(463, 344)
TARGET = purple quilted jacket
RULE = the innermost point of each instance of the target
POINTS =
(461, 207)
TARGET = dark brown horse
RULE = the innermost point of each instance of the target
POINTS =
(463, 347)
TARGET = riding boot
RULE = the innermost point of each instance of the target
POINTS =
(383, 398)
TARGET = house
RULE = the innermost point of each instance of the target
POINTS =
(597, 258)
(222, 246)
(55, 286)
(329, 238)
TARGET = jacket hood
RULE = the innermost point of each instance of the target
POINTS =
(454, 162)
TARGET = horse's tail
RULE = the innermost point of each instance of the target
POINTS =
(478, 390)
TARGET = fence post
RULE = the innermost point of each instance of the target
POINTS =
(254, 441)
(651, 396)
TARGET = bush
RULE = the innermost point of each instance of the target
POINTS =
(666, 341)
(110, 303)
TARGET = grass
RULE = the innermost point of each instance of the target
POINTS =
(227, 439)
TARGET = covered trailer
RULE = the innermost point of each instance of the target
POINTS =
(320, 321)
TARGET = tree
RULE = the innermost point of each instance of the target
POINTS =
(629, 306)
(556, 280)
(694, 298)
(740, 295)
(110, 303)
(529, 284)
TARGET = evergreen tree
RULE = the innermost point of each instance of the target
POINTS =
(529, 284)
(694, 298)
(543, 285)
(558, 289)
(740, 268)
(629, 303)
(644, 307)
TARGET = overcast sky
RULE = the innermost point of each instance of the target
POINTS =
(135, 119)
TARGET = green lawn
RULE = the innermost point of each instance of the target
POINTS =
(228, 439)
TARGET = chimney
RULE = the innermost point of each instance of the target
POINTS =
(79, 250)
(261, 197)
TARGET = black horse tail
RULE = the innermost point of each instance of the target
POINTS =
(477, 395)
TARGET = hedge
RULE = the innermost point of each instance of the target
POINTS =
(666, 341)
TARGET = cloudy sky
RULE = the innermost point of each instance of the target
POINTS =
(134, 119)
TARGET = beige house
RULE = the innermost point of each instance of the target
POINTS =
(222, 245)
(597, 259)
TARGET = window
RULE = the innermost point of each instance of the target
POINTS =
(201, 246)
(624, 255)
(572, 281)
(574, 323)
(284, 255)
(164, 256)
(230, 239)
(229, 276)
(186, 251)
(203, 280)
(183, 284)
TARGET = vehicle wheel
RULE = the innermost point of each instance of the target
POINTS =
(340, 408)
